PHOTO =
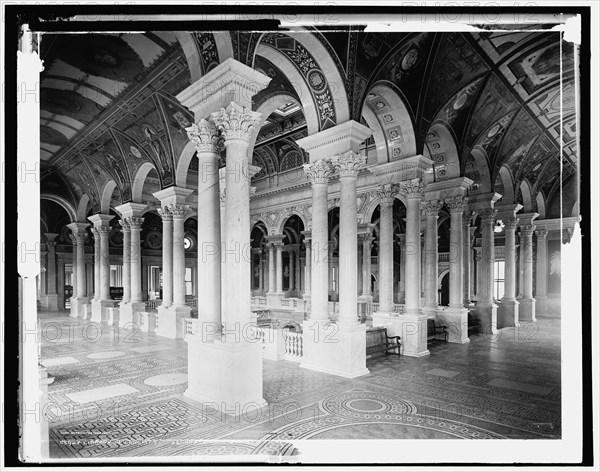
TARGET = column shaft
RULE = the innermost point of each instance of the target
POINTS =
(104, 263)
(510, 259)
(279, 269)
(466, 256)
(486, 294)
(126, 261)
(97, 264)
(308, 268)
(527, 232)
(385, 258)
(431, 210)
(541, 290)
(135, 223)
(167, 257)
(413, 194)
(456, 206)
(272, 274)
(179, 212)
(51, 271)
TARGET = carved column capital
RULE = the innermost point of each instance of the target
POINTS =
(411, 189)
(165, 213)
(319, 172)
(468, 218)
(206, 137)
(387, 193)
(488, 216)
(78, 237)
(125, 225)
(236, 122)
(431, 207)
(457, 204)
(134, 222)
(511, 223)
(541, 233)
(179, 211)
(527, 230)
(348, 164)
(102, 231)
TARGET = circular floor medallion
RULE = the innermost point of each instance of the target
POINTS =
(165, 380)
(366, 405)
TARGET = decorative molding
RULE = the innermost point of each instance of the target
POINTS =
(387, 193)
(206, 137)
(431, 207)
(456, 204)
(236, 122)
(348, 164)
(411, 189)
(319, 172)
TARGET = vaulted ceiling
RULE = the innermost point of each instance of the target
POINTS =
(502, 101)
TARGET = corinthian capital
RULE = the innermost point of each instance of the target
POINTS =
(179, 211)
(78, 237)
(206, 137)
(387, 193)
(165, 213)
(135, 222)
(541, 233)
(348, 164)
(431, 207)
(412, 189)
(236, 122)
(527, 230)
(456, 204)
(488, 216)
(511, 223)
(319, 172)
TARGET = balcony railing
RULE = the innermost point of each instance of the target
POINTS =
(293, 346)
(152, 305)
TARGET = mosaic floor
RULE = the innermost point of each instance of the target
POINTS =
(119, 394)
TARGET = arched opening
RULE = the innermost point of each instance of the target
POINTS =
(440, 147)
(293, 260)
(259, 279)
(145, 183)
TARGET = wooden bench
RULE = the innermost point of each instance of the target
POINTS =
(379, 341)
(434, 330)
(474, 325)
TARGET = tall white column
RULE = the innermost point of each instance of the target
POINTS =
(104, 232)
(97, 263)
(456, 206)
(486, 308)
(79, 299)
(135, 223)
(402, 245)
(236, 124)
(367, 241)
(308, 265)
(541, 281)
(431, 210)
(508, 311)
(527, 307)
(209, 145)
(319, 173)
(167, 256)
(385, 259)
(348, 165)
(180, 213)
(466, 255)
(279, 267)
(272, 274)
(126, 260)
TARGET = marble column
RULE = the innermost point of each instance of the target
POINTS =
(50, 300)
(486, 309)
(209, 145)
(347, 165)
(135, 224)
(97, 263)
(366, 241)
(385, 258)
(508, 311)
(402, 284)
(272, 275)
(319, 173)
(541, 282)
(455, 317)
(466, 255)
(79, 300)
(527, 308)
(261, 272)
(102, 300)
(180, 213)
(279, 268)
(431, 210)
(126, 275)
(308, 265)
(167, 256)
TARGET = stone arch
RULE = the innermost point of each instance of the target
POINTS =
(440, 147)
(286, 216)
(441, 276)
(393, 121)
(64, 203)
(188, 44)
(477, 169)
(368, 216)
(106, 196)
(541, 205)
(378, 136)
(527, 195)
(280, 61)
(508, 193)
(82, 208)
(140, 179)
(183, 164)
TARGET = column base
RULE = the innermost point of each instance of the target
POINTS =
(337, 349)
(78, 307)
(508, 313)
(431, 311)
(274, 344)
(412, 329)
(456, 320)
(50, 302)
(527, 309)
(147, 321)
(170, 323)
(128, 314)
(229, 376)
(100, 310)
(541, 305)
(488, 317)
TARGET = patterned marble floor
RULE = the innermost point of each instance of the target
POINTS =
(119, 394)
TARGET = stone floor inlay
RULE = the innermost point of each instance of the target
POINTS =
(490, 388)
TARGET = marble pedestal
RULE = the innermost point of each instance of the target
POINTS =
(274, 344)
(488, 317)
(527, 309)
(171, 322)
(100, 310)
(508, 313)
(456, 321)
(128, 314)
(412, 329)
(50, 302)
(541, 305)
(147, 321)
(78, 307)
(225, 375)
(336, 349)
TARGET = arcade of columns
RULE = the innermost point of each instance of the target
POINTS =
(231, 370)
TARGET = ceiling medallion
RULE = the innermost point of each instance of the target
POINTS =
(102, 57)
(316, 80)
(410, 59)
(494, 130)
(136, 152)
(460, 101)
